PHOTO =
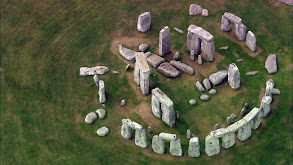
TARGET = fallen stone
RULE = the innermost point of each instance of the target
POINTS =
(96, 80)
(127, 67)
(251, 41)
(205, 12)
(101, 113)
(212, 91)
(225, 66)
(271, 64)
(91, 117)
(143, 47)
(195, 9)
(234, 76)
(115, 72)
(224, 48)
(182, 67)
(123, 102)
(218, 77)
(103, 131)
(207, 84)
(153, 59)
(252, 73)
(194, 147)
(217, 126)
(178, 30)
(192, 101)
(168, 70)
(127, 53)
(204, 97)
(164, 41)
(199, 59)
(85, 71)
(276, 91)
(176, 56)
(158, 145)
(102, 95)
(240, 60)
(199, 86)
(175, 147)
(144, 22)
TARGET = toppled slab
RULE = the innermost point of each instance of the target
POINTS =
(218, 77)
(233, 18)
(182, 67)
(178, 30)
(195, 9)
(154, 60)
(200, 33)
(168, 70)
(251, 73)
(128, 54)
(199, 86)
(85, 71)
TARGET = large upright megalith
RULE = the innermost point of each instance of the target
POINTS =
(234, 76)
(269, 87)
(144, 22)
(140, 135)
(164, 41)
(251, 41)
(201, 42)
(240, 28)
(159, 147)
(265, 106)
(142, 73)
(162, 107)
(158, 144)
(271, 64)
(212, 145)
(102, 95)
(194, 147)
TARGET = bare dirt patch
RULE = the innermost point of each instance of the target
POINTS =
(145, 112)
(261, 95)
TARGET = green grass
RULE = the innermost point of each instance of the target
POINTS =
(44, 100)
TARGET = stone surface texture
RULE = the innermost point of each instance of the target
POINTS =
(164, 41)
(234, 76)
(271, 64)
(144, 22)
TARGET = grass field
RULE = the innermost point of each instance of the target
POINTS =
(44, 100)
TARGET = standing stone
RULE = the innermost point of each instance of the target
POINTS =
(269, 87)
(193, 43)
(96, 80)
(199, 86)
(212, 91)
(253, 118)
(90, 118)
(194, 147)
(234, 76)
(158, 144)
(103, 131)
(199, 59)
(208, 50)
(102, 95)
(242, 112)
(233, 116)
(192, 58)
(164, 41)
(229, 121)
(205, 12)
(126, 131)
(271, 64)
(175, 147)
(212, 145)
(177, 115)
(217, 126)
(141, 138)
(142, 73)
(101, 113)
(265, 107)
(226, 25)
(156, 107)
(144, 22)
(207, 84)
(195, 9)
(240, 30)
(168, 115)
(143, 47)
(176, 56)
(188, 134)
(218, 77)
(204, 97)
(244, 132)
(228, 140)
(251, 41)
